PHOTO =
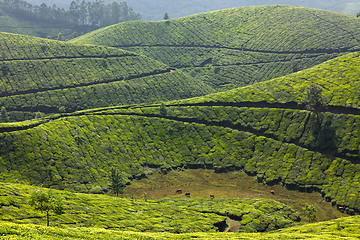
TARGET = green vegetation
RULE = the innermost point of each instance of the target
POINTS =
(46, 202)
(118, 181)
(50, 76)
(25, 27)
(166, 215)
(101, 117)
(344, 228)
(310, 211)
(240, 46)
(76, 151)
(340, 76)
(42, 21)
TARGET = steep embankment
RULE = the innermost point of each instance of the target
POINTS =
(240, 46)
(237, 129)
(39, 75)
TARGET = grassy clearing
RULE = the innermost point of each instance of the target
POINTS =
(161, 215)
(201, 183)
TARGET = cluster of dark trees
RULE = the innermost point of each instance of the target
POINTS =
(94, 14)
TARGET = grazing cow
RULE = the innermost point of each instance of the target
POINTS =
(178, 191)
(272, 192)
(187, 194)
(212, 196)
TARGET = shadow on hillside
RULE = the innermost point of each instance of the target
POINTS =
(324, 135)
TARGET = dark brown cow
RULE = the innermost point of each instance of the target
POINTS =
(178, 191)
(187, 194)
(212, 196)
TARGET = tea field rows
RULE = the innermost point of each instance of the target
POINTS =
(39, 75)
(237, 47)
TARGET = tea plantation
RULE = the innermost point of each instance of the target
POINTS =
(272, 91)
(344, 228)
(39, 75)
(167, 215)
(278, 144)
(236, 47)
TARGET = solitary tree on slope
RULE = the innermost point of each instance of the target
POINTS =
(46, 201)
(118, 181)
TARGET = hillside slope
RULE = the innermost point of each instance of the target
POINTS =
(197, 215)
(343, 228)
(240, 46)
(39, 75)
(279, 141)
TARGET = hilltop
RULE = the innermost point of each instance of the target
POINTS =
(44, 76)
(151, 10)
(237, 47)
(280, 142)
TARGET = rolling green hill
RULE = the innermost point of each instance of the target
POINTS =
(236, 47)
(154, 10)
(39, 75)
(278, 140)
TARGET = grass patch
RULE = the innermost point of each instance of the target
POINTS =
(201, 183)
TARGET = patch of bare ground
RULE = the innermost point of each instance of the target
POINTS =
(201, 183)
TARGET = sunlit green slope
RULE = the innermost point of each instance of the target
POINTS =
(167, 215)
(279, 141)
(39, 75)
(343, 228)
(240, 46)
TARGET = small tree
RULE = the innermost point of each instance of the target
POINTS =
(310, 211)
(4, 116)
(118, 181)
(163, 110)
(314, 98)
(358, 14)
(46, 202)
(166, 16)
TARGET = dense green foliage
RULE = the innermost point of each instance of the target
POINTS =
(51, 76)
(338, 79)
(344, 228)
(237, 47)
(176, 216)
(76, 151)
